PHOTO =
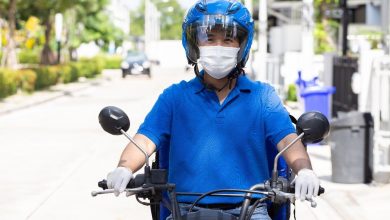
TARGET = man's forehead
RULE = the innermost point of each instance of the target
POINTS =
(216, 31)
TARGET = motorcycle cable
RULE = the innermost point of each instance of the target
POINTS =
(253, 208)
(295, 207)
(224, 190)
(145, 203)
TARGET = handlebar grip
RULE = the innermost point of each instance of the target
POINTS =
(103, 184)
(321, 190)
(132, 184)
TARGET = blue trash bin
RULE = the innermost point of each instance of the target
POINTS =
(316, 98)
(302, 84)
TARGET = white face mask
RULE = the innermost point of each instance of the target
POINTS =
(218, 61)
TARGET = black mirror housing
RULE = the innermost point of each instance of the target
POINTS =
(113, 120)
(314, 125)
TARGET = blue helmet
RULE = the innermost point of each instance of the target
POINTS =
(230, 15)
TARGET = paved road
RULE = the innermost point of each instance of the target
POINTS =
(53, 154)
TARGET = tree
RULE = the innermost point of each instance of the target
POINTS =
(137, 21)
(88, 21)
(9, 58)
(171, 18)
(325, 27)
(172, 15)
(45, 11)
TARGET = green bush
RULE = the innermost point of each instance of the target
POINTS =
(8, 84)
(41, 77)
(78, 69)
(26, 79)
(112, 62)
(68, 73)
(29, 56)
(46, 76)
(292, 93)
(90, 68)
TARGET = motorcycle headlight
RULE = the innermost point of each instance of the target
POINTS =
(125, 65)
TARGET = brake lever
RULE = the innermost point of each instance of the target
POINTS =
(129, 192)
(291, 197)
(313, 203)
(95, 193)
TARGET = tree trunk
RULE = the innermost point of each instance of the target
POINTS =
(9, 59)
(47, 56)
(73, 54)
(329, 38)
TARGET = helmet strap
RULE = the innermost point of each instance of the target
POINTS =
(235, 73)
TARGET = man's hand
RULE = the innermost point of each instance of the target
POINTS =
(118, 179)
(306, 184)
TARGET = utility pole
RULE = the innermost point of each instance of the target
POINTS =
(147, 26)
(251, 67)
(249, 5)
(344, 19)
(262, 41)
(58, 31)
(307, 38)
(152, 25)
(1, 27)
(307, 27)
(385, 20)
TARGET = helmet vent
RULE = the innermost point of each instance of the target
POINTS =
(234, 8)
(201, 6)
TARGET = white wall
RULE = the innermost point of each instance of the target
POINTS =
(285, 38)
(170, 53)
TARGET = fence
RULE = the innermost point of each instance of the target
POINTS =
(381, 110)
(344, 100)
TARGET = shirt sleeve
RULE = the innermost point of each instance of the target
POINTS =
(157, 123)
(276, 118)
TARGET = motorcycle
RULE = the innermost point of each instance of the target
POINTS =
(152, 185)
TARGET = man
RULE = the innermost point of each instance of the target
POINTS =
(215, 127)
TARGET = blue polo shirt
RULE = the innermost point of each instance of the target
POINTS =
(217, 146)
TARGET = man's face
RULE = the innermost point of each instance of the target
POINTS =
(216, 37)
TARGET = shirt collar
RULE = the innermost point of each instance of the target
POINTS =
(243, 84)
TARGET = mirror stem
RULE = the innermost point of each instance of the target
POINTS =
(275, 170)
(140, 148)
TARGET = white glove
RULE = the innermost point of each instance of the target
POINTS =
(306, 184)
(118, 179)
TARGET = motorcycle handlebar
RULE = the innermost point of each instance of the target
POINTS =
(138, 181)
(321, 190)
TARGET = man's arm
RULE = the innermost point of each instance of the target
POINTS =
(296, 156)
(306, 183)
(132, 158)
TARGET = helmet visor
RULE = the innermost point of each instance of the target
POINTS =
(216, 30)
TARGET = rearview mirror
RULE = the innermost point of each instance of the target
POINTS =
(314, 125)
(113, 120)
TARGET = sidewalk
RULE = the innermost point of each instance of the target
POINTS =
(341, 201)
(22, 100)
